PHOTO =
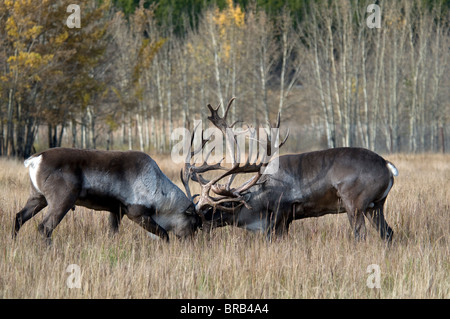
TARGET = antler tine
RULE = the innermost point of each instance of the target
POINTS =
(220, 122)
(235, 122)
(184, 173)
(269, 135)
(285, 139)
(228, 108)
(186, 184)
(278, 126)
(195, 152)
(248, 184)
(278, 120)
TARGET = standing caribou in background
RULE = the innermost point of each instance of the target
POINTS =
(124, 183)
(352, 180)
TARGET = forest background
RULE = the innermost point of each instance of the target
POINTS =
(134, 71)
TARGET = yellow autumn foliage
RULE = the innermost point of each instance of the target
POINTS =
(31, 60)
(232, 15)
(11, 27)
(61, 38)
(226, 21)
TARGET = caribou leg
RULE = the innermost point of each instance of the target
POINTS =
(282, 228)
(34, 205)
(356, 219)
(355, 206)
(278, 224)
(142, 216)
(58, 206)
(376, 217)
(115, 217)
(355, 214)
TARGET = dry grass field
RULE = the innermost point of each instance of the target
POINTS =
(318, 259)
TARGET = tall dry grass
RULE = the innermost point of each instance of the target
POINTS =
(318, 259)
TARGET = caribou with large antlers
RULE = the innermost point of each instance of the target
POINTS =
(355, 181)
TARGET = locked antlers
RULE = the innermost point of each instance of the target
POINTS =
(224, 196)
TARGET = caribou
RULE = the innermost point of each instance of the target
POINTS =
(124, 183)
(355, 181)
(350, 180)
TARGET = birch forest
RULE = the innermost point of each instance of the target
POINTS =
(134, 71)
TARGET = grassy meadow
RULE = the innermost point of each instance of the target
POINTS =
(318, 259)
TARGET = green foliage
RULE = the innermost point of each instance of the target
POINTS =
(181, 14)
(127, 6)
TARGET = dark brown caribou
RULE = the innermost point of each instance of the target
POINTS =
(348, 180)
(123, 183)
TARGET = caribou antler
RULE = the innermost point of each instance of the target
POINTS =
(224, 193)
(191, 171)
